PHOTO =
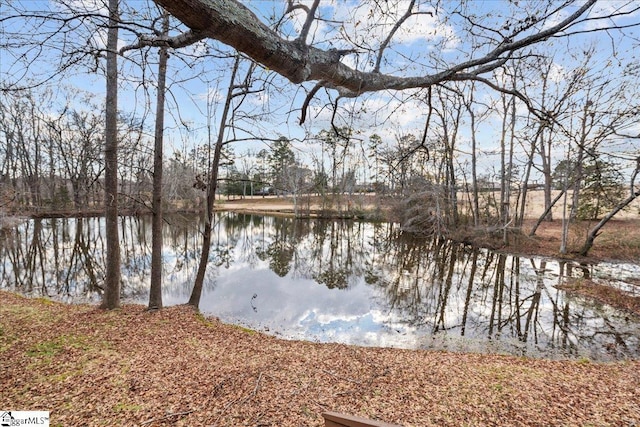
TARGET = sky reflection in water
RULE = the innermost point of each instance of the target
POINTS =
(349, 282)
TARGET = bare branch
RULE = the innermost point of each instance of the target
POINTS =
(311, 14)
(232, 23)
(393, 31)
(395, 28)
(185, 39)
(307, 100)
(542, 115)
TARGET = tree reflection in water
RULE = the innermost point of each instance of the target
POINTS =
(345, 281)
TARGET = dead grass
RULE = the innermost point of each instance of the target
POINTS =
(131, 367)
(604, 294)
(619, 240)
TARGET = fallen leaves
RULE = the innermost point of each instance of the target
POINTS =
(132, 367)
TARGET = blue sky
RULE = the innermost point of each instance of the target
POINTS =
(426, 43)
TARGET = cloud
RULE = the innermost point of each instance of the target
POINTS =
(364, 27)
(97, 7)
(612, 11)
(376, 20)
(213, 95)
(386, 112)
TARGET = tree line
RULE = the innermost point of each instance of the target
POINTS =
(572, 126)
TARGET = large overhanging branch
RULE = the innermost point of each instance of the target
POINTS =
(233, 24)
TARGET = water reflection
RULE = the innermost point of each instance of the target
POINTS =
(341, 281)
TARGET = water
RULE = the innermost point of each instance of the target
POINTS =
(338, 281)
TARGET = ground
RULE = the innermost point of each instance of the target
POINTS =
(132, 367)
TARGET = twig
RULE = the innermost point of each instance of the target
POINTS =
(341, 378)
(255, 389)
(364, 384)
(245, 399)
(175, 414)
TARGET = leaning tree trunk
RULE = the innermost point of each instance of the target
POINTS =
(633, 194)
(588, 244)
(527, 175)
(111, 297)
(196, 293)
(546, 213)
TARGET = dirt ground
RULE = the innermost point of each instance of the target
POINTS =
(533, 209)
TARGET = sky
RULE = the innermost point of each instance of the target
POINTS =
(426, 43)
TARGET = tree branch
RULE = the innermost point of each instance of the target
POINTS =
(311, 15)
(232, 23)
(181, 40)
(395, 28)
(307, 100)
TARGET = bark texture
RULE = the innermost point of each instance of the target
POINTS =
(214, 167)
(231, 23)
(155, 291)
(111, 297)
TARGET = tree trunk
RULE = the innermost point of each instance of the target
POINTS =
(525, 180)
(509, 172)
(591, 237)
(596, 229)
(475, 207)
(453, 193)
(196, 293)
(155, 291)
(579, 160)
(545, 156)
(545, 214)
(111, 297)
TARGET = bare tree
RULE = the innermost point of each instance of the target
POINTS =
(111, 297)
(78, 137)
(449, 110)
(555, 98)
(473, 116)
(634, 192)
(155, 291)
(507, 136)
(212, 185)
(23, 153)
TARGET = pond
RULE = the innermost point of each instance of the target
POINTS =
(337, 281)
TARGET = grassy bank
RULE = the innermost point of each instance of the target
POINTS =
(174, 367)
